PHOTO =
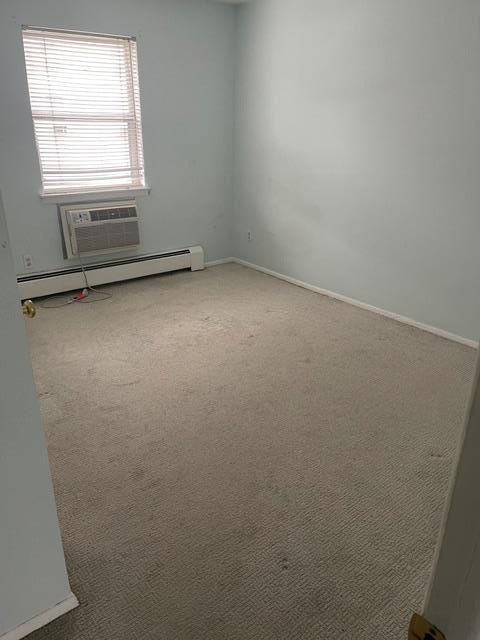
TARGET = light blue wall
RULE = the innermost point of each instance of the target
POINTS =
(358, 151)
(185, 52)
(357, 141)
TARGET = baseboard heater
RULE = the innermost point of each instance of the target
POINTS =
(71, 278)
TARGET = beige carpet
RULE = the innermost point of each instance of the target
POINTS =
(238, 458)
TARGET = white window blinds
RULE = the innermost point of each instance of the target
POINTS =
(85, 105)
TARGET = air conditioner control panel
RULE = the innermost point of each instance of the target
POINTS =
(77, 217)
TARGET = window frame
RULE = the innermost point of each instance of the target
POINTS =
(71, 193)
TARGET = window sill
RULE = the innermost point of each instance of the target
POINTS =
(93, 196)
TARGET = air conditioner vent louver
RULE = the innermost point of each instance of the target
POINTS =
(95, 229)
(106, 236)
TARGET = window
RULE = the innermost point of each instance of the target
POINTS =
(85, 105)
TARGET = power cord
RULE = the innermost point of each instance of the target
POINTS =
(101, 295)
(88, 294)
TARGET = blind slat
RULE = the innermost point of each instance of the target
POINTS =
(85, 103)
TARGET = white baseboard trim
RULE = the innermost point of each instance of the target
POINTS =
(215, 263)
(42, 619)
(361, 305)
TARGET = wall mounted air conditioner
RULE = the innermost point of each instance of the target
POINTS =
(95, 229)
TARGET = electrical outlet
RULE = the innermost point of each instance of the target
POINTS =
(27, 261)
(249, 236)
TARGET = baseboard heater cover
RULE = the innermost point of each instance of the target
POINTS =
(71, 278)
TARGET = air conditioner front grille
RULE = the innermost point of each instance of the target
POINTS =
(100, 237)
